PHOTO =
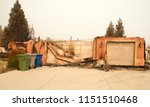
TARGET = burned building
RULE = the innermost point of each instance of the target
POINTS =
(120, 51)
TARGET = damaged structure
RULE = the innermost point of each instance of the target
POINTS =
(120, 51)
(51, 54)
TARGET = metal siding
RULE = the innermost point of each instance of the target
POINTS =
(120, 53)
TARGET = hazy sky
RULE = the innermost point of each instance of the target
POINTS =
(83, 19)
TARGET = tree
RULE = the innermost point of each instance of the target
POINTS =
(110, 30)
(119, 31)
(1, 30)
(17, 28)
(39, 39)
(5, 38)
(1, 35)
(31, 32)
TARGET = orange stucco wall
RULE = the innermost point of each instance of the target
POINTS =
(38, 46)
(29, 44)
(43, 51)
(100, 45)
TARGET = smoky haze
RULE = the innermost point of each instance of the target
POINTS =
(83, 19)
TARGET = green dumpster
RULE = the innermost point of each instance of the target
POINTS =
(24, 61)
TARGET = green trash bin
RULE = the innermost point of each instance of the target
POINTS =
(24, 61)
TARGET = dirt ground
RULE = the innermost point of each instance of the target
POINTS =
(75, 78)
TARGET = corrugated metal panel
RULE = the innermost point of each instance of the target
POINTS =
(120, 53)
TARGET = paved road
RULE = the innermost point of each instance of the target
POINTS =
(74, 78)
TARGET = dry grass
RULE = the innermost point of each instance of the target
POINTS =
(3, 65)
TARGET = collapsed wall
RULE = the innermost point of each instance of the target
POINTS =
(81, 49)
